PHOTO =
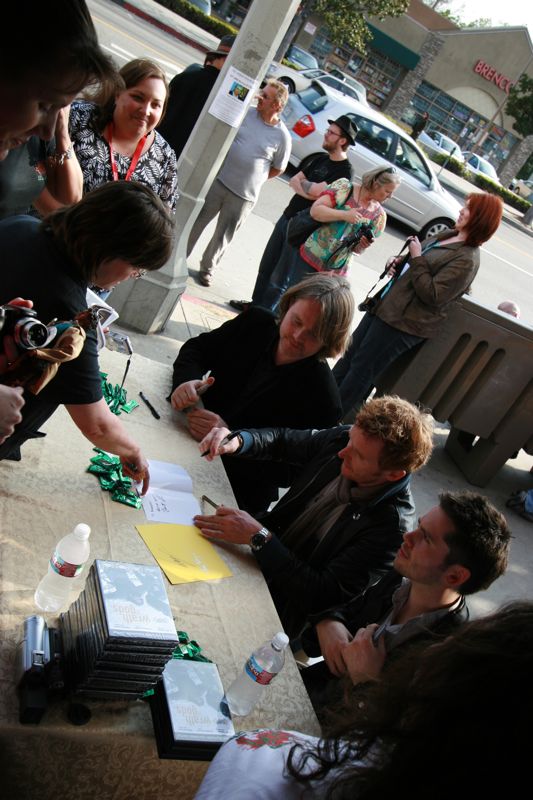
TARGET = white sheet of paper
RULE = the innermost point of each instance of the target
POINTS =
(170, 497)
(234, 97)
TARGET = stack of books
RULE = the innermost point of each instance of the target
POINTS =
(119, 634)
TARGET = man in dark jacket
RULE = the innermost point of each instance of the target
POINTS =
(459, 547)
(341, 522)
(188, 92)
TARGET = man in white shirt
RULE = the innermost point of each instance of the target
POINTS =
(260, 151)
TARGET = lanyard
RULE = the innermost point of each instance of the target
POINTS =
(134, 160)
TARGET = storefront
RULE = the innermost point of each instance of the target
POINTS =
(461, 76)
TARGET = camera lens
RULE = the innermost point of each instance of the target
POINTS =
(30, 333)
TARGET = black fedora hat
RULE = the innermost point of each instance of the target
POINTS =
(224, 46)
(347, 126)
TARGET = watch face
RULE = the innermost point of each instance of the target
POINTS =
(258, 540)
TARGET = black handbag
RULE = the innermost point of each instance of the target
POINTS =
(302, 225)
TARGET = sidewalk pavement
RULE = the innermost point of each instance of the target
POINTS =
(202, 309)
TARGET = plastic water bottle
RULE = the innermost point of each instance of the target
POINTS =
(66, 563)
(263, 665)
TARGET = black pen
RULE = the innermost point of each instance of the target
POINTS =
(145, 400)
(225, 440)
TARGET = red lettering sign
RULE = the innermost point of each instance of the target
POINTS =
(490, 74)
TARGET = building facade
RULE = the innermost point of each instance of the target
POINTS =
(422, 61)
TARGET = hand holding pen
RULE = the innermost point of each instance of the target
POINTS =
(218, 442)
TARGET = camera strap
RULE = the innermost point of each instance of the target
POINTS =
(384, 273)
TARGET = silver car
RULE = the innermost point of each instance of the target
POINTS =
(419, 201)
(437, 142)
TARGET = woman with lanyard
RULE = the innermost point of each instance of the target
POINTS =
(114, 137)
(416, 301)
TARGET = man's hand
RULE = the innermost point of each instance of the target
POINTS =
(212, 441)
(186, 394)
(11, 402)
(364, 659)
(228, 525)
(333, 636)
(201, 421)
(136, 466)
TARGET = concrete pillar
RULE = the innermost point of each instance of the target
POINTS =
(146, 304)
(396, 105)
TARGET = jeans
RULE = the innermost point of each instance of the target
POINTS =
(290, 269)
(374, 346)
(269, 261)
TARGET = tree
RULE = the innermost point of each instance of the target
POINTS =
(344, 19)
(520, 107)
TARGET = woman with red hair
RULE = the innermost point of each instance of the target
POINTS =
(416, 301)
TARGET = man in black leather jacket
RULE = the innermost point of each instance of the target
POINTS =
(341, 522)
(460, 547)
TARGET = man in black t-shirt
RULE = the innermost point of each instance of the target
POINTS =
(316, 172)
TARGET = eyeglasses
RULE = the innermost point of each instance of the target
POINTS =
(329, 132)
(138, 273)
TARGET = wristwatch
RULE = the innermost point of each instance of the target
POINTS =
(259, 539)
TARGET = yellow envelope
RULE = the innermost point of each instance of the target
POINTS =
(183, 554)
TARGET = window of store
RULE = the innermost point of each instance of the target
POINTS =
(461, 123)
(376, 71)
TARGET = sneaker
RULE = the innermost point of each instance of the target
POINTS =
(240, 305)
(204, 278)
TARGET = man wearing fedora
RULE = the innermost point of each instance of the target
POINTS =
(188, 92)
(316, 172)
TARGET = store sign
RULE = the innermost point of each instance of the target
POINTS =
(491, 74)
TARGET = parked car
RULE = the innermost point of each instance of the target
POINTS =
(521, 188)
(437, 142)
(297, 79)
(480, 166)
(300, 58)
(294, 79)
(345, 88)
(420, 201)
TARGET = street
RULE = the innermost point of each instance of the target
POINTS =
(506, 270)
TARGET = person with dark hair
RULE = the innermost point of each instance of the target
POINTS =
(259, 367)
(417, 299)
(188, 93)
(460, 547)
(114, 136)
(56, 55)
(341, 522)
(453, 718)
(115, 232)
(420, 124)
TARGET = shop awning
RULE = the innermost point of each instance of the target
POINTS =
(393, 49)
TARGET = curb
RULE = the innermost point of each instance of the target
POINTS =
(183, 37)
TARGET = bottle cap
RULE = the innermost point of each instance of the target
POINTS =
(82, 531)
(280, 641)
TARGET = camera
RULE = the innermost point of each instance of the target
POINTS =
(368, 304)
(350, 242)
(364, 230)
(40, 668)
(22, 324)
